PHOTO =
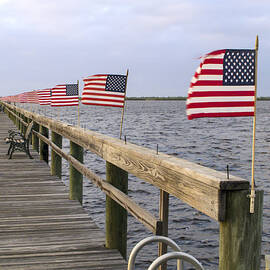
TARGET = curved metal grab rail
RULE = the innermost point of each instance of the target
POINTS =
(176, 255)
(151, 239)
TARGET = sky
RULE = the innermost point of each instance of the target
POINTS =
(48, 42)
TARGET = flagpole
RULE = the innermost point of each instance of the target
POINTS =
(123, 109)
(79, 124)
(252, 191)
(58, 113)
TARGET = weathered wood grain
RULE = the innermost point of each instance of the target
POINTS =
(56, 160)
(121, 198)
(76, 177)
(240, 234)
(40, 228)
(116, 216)
(267, 262)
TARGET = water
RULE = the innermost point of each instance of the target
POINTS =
(211, 142)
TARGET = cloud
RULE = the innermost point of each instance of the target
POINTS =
(159, 17)
(4, 2)
(55, 40)
(68, 18)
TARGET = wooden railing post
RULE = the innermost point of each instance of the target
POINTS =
(23, 126)
(56, 160)
(35, 140)
(17, 119)
(116, 216)
(8, 113)
(164, 217)
(44, 149)
(267, 262)
(20, 125)
(241, 232)
(13, 118)
(75, 177)
(29, 120)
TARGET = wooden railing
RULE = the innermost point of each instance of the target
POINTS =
(209, 191)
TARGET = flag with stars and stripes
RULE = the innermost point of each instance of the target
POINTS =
(23, 97)
(44, 96)
(104, 90)
(32, 97)
(223, 85)
(65, 95)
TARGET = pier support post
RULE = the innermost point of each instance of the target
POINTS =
(35, 140)
(267, 262)
(13, 118)
(75, 177)
(116, 216)
(56, 160)
(23, 126)
(241, 232)
(17, 120)
(44, 149)
(8, 113)
(164, 217)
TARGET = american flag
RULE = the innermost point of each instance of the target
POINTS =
(23, 97)
(223, 85)
(6, 98)
(104, 90)
(14, 98)
(44, 96)
(32, 97)
(65, 95)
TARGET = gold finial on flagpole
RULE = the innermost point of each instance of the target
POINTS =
(252, 191)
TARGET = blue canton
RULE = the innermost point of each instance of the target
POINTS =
(239, 67)
(116, 83)
(72, 90)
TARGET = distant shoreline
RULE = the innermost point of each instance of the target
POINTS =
(156, 98)
(177, 98)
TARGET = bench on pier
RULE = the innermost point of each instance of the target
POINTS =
(19, 141)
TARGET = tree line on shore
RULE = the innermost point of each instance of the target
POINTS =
(175, 98)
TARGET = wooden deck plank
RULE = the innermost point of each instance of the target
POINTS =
(55, 196)
(40, 228)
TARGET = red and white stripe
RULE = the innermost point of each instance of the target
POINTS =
(208, 97)
(23, 97)
(32, 97)
(59, 97)
(44, 96)
(94, 93)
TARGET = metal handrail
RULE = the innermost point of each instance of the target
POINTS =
(176, 255)
(151, 239)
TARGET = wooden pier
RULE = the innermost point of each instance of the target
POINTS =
(43, 225)
(40, 228)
